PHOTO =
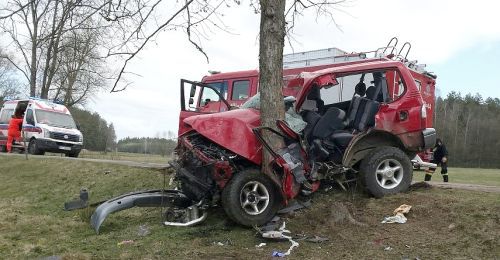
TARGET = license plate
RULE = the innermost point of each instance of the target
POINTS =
(65, 148)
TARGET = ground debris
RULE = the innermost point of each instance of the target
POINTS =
(143, 231)
(340, 214)
(399, 216)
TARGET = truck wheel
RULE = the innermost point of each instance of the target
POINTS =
(250, 198)
(33, 148)
(386, 170)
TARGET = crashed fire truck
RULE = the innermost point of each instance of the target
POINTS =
(360, 121)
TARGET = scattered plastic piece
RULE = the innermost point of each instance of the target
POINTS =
(387, 248)
(125, 242)
(281, 234)
(399, 216)
(143, 231)
(261, 245)
(220, 244)
(317, 239)
(278, 254)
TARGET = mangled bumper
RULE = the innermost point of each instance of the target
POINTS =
(149, 198)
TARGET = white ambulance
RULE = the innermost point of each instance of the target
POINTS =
(47, 127)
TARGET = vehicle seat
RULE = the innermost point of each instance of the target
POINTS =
(362, 113)
(315, 95)
(330, 122)
(311, 118)
(370, 94)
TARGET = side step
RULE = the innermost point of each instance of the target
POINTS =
(148, 198)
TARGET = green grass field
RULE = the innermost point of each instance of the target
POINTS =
(465, 175)
(122, 156)
(33, 223)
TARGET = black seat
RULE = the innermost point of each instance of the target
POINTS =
(315, 95)
(330, 122)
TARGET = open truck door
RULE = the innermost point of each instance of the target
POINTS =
(199, 98)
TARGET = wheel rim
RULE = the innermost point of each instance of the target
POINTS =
(254, 198)
(389, 173)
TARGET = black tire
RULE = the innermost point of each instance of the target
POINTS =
(73, 154)
(234, 196)
(3, 148)
(386, 170)
(33, 148)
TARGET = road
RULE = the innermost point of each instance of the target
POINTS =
(161, 166)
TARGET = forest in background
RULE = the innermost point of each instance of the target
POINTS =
(470, 128)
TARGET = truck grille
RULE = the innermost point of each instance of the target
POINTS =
(63, 136)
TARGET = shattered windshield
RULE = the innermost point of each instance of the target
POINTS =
(55, 119)
(293, 119)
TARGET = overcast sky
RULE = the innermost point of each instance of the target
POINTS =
(458, 40)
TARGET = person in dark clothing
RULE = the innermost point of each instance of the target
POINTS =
(440, 158)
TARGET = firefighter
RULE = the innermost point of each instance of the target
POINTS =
(440, 158)
(15, 127)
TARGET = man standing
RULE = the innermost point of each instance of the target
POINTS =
(15, 127)
(440, 157)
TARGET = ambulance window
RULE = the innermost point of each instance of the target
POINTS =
(29, 117)
(240, 90)
(6, 115)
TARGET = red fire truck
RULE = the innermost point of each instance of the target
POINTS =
(236, 87)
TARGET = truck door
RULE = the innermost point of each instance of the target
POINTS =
(200, 98)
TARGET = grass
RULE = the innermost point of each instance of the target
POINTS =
(135, 157)
(33, 223)
(465, 175)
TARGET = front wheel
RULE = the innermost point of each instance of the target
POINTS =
(250, 198)
(33, 148)
(386, 170)
(73, 154)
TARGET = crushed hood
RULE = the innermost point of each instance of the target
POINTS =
(231, 130)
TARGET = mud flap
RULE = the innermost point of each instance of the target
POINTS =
(148, 198)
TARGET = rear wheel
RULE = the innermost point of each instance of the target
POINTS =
(250, 198)
(386, 170)
(33, 148)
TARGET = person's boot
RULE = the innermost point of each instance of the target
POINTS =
(445, 178)
(428, 177)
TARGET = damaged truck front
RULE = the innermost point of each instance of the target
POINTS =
(353, 133)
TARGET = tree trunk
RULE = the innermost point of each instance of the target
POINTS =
(272, 38)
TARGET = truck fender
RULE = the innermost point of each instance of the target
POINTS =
(363, 143)
(148, 198)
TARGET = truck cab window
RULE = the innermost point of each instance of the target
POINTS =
(240, 90)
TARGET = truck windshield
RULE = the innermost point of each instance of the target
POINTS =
(55, 119)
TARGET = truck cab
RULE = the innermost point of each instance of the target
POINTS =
(47, 127)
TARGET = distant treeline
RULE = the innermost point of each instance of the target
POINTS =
(470, 129)
(147, 145)
(97, 134)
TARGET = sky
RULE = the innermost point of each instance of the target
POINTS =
(458, 40)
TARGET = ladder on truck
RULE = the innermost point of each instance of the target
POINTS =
(335, 55)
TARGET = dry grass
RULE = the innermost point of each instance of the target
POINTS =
(33, 223)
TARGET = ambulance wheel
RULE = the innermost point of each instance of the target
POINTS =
(74, 154)
(33, 148)
(250, 198)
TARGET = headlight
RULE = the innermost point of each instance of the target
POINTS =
(46, 133)
(80, 138)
